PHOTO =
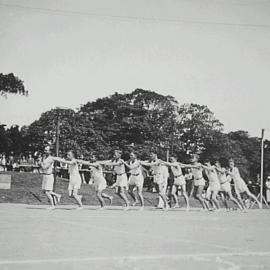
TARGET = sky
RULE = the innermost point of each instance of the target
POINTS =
(209, 52)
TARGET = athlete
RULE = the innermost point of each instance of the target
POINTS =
(214, 185)
(136, 179)
(199, 181)
(179, 181)
(160, 180)
(74, 178)
(99, 181)
(240, 185)
(46, 169)
(225, 186)
(121, 176)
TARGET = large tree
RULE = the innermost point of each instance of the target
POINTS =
(141, 120)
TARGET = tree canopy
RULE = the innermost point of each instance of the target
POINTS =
(10, 84)
(142, 121)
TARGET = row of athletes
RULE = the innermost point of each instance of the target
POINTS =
(219, 180)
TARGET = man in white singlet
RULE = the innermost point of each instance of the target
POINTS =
(199, 182)
(214, 185)
(46, 169)
(74, 178)
(121, 176)
(225, 186)
(99, 181)
(240, 185)
(135, 179)
(179, 181)
(159, 177)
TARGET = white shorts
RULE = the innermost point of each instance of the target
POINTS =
(161, 182)
(75, 183)
(136, 180)
(47, 182)
(240, 187)
(121, 180)
(100, 183)
(160, 179)
(225, 187)
(179, 181)
(214, 186)
(199, 182)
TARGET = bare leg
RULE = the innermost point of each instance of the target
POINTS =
(58, 196)
(104, 195)
(223, 198)
(184, 192)
(252, 196)
(200, 198)
(234, 200)
(122, 195)
(78, 198)
(139, 190)
(131, 193)
(162, 194)
(100, 198)
(214, 199)
(239, 199)
(173, 194)
(49, 195)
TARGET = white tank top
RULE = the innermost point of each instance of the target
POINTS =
(222, 176)
(119, 169)
(157, 169)
(137, 170)
(47, 165)
(177, 171)
(197, 173)
(212, 175)
(73, 169)
(97, 172)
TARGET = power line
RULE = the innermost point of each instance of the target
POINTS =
(131, 18)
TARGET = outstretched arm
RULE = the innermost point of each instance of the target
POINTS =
(147, 163)
(64, 161)
(87, 163)
(113, 163)
(189, 166)
(132, 166)
(220, 170)
(209, 168)
(173, 164)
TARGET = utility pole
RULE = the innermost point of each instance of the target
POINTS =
(57, 134)
(262, 165)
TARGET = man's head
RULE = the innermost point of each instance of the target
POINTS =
(133, 156)
(207, 162)
(194, 158)
(117, 154)
(70, 155)
(231, 163)
(153, 155)
(93, 158)
(217, 163)
(172, 159)
(47, 150)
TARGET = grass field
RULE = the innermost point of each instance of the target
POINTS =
(32, 237)
(23, 184)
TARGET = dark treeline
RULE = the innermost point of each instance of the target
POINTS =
(142, 120)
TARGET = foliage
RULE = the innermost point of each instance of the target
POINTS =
(10, 84)
(142, 121)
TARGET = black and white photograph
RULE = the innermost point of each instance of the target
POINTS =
(134, 134)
